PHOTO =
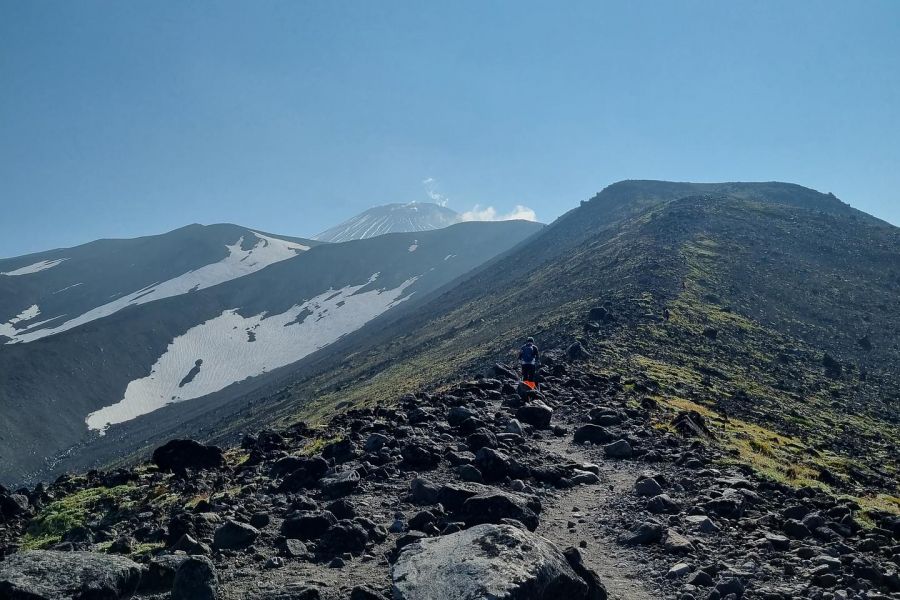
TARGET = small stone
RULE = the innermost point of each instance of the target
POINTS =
(678, 571)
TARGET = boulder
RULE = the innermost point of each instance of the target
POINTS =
(514, 426)
(375, 442)
(644, 533)
(702, 523)
(492, 464)
(422, 491)
(195, 580)
(481, 438)
(796, 529)
(618, 449)
(291, 548)
(50, 575)
(234, 535)
(678, 570)
(730, 506)
(487, 561)
(594, 434)
(596, 589)
(459, 414)
(469, 473)
(160, 573)
(364, 592)
(453, 495)
(420, 456)
(663, 504)
(730, 586)
(189, 545)
(691, 424)
(501, 370)
(494, 507)
(12, 505)
(306, 473)
(577, 352)
(648, 487)
(340, 451)
(537, 415)
(339, 484)
(675, 543)
(286, 465)
(345, 536)
(307, 525)
(177, 456)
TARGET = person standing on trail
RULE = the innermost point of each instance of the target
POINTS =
(529, 357)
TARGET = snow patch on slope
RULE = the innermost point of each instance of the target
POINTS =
(230, 348)
(35, 268)
(68, 287)
(9, 330)
(238, 263)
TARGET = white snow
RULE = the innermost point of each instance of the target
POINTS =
(389, 219)
(238, 263)
(69, 287)
(449, 256)
(35, 268)
(228, 355)
(8, 329)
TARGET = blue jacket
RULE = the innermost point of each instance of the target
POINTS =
(529, 355)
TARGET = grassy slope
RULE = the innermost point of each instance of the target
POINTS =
(712, 262)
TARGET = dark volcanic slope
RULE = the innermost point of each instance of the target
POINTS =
(69, 282)
(53, 384)
(761, 281)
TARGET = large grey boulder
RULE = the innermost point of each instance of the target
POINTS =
(49, 575)
(234, 535)
(487, 561)
(195, 580)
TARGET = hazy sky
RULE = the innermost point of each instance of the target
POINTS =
(125, 118)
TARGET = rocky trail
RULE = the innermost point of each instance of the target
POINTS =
(484, 490)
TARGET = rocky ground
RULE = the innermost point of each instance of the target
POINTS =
(483, 490)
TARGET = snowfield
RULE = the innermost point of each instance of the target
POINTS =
(230, 348)
(238, 263)
(9, 330)
(35, 268)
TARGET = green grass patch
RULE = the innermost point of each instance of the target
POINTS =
(58, 517)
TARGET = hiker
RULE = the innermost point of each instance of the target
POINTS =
(529, 357)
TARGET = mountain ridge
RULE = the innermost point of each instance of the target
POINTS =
(130, 345)
(717, 417)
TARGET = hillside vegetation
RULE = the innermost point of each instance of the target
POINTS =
(783, 323)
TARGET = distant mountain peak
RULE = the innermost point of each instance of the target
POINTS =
(391, 218)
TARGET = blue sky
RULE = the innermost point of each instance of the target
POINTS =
(128, 118)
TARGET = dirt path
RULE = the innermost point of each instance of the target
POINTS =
(575, 514)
